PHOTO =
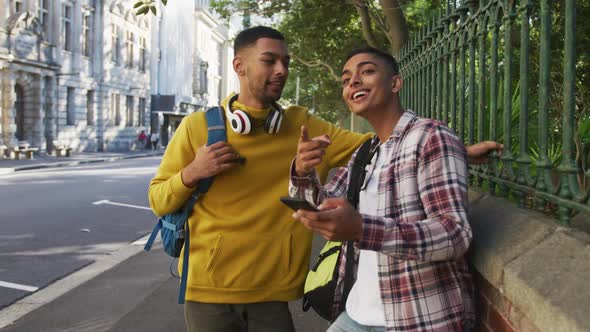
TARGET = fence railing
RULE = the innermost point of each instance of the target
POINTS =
(461, 69)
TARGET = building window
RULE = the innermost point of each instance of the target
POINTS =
(219, 59)
(90, 108)
(115, 44)
(141, 111)
(129, 44)
(17, 6)
(44, 16)
(142, 54)
(67, 26)
(129, 112)
(203, 77)
(71, 107)
(115, 108)
(87, 33)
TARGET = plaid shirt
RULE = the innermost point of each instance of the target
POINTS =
(419, 230)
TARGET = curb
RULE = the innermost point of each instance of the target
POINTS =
(69, 282)
(9, 170)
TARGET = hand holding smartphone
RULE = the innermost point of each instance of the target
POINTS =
(297, 204)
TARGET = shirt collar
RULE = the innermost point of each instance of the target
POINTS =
(252, 112)
(402, 125)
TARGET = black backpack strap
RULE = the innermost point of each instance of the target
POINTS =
(357, 178)
(358, 173)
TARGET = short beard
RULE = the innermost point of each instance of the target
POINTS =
(266, 99)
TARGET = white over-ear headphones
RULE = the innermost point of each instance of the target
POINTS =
(240, 121)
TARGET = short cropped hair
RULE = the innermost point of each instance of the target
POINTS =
(248, 37)
(388, 58)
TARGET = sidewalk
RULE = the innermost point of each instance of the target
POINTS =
(77, 158)
(137, 295)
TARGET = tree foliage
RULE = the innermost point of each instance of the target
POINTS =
(320, 34)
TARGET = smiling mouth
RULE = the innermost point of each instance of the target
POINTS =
(277, 84)
(359, 94)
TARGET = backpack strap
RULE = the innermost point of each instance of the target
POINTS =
(358, 173)
(215, 133)
(357, 177)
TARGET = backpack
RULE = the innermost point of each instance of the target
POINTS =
(320, 283)
(174, 227)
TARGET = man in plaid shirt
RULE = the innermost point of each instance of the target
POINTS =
(410, 229)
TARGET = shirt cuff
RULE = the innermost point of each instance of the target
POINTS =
(301, 181)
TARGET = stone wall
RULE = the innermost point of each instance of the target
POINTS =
(531, 273)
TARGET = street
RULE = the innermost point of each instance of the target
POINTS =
(51, 228)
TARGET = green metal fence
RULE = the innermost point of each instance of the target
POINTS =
(462, 69)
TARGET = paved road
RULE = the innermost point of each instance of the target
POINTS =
(51, 228)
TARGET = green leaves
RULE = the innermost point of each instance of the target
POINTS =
(584, 131)
(142, 7)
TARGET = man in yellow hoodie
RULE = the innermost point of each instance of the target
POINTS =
(248, 257)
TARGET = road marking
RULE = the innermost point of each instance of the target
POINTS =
(141, 241)
(106, 201)
(47, 294)
(6, 284)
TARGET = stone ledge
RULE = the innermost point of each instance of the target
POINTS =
(501, 233)
(550, 283)
(537, 265)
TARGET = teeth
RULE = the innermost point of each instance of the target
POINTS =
(359, 94)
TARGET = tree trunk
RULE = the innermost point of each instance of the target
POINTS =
(366, 28)
(396, 27)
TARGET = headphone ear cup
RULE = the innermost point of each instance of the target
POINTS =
(273, 122)
(236, 123)
(240, 122)
(279, 122)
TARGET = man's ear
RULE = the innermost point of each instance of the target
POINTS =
(396, 83)
(238, 64)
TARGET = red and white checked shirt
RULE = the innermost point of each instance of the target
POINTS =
(419, 230)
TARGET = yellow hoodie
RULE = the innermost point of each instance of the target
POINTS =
(245, 247)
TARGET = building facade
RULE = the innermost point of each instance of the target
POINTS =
(191, 63)
(74, 71)
(91, 74)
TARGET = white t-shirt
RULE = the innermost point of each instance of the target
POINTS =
(364, 303)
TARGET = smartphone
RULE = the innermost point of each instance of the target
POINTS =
(297, 204)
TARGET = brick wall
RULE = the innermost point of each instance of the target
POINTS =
(496, 312)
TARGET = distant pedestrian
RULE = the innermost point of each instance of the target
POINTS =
(142, 138)
(154, 139)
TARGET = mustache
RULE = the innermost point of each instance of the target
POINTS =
(278, 81)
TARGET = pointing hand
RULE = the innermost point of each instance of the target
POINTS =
(310, 152)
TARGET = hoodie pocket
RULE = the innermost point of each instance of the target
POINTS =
(241, 262)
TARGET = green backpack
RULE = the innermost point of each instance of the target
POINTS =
(321, 280)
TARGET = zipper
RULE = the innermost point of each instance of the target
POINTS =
(323, 255)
